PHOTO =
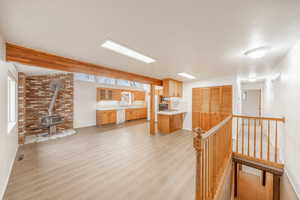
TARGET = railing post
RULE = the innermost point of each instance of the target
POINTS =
(276, 187)
(235, 167)
(198, 145)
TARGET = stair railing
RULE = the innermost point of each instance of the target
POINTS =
(213, 150)
(257, 137)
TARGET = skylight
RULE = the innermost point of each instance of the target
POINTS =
(126, 51)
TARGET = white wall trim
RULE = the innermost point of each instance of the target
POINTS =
(85, 125)
(188, 129)
(9, 173)
(291, 182)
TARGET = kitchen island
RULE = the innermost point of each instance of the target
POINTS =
(170, 121)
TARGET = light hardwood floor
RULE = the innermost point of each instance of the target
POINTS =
(111, 163)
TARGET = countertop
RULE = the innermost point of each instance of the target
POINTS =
(171, 112)
(118, 107)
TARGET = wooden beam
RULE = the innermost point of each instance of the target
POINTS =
(152, 110)
(41, 59)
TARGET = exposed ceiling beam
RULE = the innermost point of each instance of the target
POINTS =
(33, 57)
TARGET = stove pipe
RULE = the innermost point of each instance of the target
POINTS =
(55, 85)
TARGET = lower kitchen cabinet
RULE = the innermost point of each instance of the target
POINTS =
(169, 123)
(135, 113)
(106, 117)
(110, 116)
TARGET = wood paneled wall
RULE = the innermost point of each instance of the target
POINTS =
(210, 106)
(41, 59)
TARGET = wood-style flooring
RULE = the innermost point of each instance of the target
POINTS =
(112, 163)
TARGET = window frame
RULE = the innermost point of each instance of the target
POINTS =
(12, 97)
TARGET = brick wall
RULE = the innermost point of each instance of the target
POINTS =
(37, 99)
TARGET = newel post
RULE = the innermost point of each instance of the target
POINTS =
(198, 145)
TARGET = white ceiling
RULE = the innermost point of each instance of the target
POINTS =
(203, 37)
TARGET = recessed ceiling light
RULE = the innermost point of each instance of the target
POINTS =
(186, 75)
(258, 52)
(126, 51)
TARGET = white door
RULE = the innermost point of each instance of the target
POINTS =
(251, 102)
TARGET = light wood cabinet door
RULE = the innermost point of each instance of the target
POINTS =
(135, 113)
(172, 88)
(105, 117)
(128, 114)
(116, 94)
(166, 88)
(107, 94)
(176, 92)
(179, 89)
(176, 122)
(101, 94)
(138, 95)
(112, 117)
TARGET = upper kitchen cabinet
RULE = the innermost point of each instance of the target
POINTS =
(108, 94)
(138, 95)
(159, 91)
(172, 88)
(116, 94)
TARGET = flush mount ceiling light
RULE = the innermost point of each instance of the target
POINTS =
(126, 51)
(258, 52)
(186, 75)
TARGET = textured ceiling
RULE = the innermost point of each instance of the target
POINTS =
(203, 37)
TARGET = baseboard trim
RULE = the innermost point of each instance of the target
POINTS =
(291, 182)
(188, 129)
(85, 125)
(9, 173)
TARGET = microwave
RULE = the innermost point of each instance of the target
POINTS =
(163, 106)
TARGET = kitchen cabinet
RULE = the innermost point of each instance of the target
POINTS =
(138, 95)
(116, 94)
(159, 91)
(108, 94)
(106, 117)
(169, 123)
(135, 113)
(172, 88)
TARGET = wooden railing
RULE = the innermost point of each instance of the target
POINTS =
(213, 149)
(257, 137)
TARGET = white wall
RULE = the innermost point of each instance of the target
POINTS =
(2, 48)
(282, 98)
(84, 104)
(187, 95)
(8, 141)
